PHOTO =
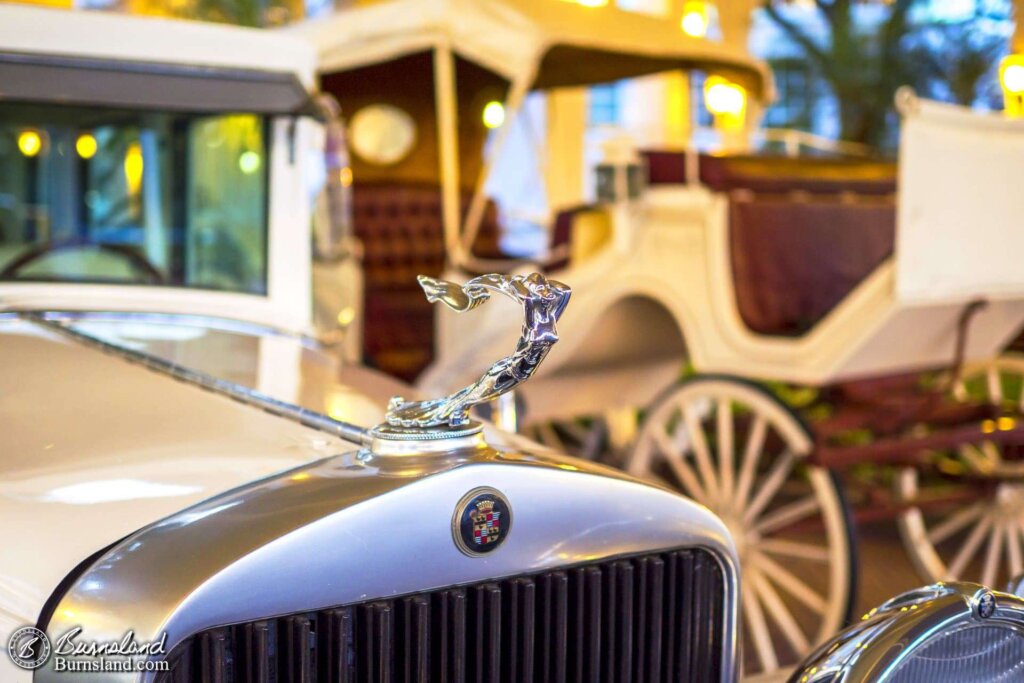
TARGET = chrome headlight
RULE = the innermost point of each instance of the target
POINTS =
(944, 633)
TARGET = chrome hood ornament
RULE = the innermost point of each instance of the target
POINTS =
(543, 301)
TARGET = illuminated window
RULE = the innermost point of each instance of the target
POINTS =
(145, 198)
(798, 92)
(604, 104)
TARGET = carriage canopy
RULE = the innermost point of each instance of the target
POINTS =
(547, 44)
(532, 44)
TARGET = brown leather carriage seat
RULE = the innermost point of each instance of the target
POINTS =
(794, 260)
(402, 232)
(803, 233)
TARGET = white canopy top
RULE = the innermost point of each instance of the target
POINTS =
(516, 41)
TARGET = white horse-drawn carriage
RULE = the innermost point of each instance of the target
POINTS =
(753, 272)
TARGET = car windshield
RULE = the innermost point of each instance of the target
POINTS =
(105, 195)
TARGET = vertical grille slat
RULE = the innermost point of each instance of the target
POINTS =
(298, 652)
(521, 630)
(337, 643)
(657, 617)
(687, 632)
(640, 616)
(671, 641)
(654, 597)
(415, 643)
(253, 652)
(610, 621)
(449, 664)
(486, 634)
(214, 656)
(593, 578)
(578, 628)
(624, 656)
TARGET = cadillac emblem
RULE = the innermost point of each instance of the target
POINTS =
(483, 518)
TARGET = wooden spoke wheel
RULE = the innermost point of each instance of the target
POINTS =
(732, 446)
(585, 438)
(971, 529)
(1000, 382)
(604, 438)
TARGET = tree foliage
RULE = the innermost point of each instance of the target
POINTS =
(864, 63)
(863, 68)
(258, 13)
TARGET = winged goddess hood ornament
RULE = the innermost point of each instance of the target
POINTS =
(543, 301)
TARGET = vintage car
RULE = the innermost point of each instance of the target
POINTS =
(182, 477)
(940, 633)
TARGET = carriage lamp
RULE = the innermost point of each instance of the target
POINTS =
(727, 101)
(943, 633)
(1011, 76)
(494, 114)
(86, 146)
(696, 19)
(30, 143)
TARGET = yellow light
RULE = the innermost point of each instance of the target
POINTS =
(29, 142)
(346, 316)
(1011, 76)
(591, 3)
(724, 98)
(494, 114)
(133, 166)
(1005, 424)
(249, 162)
(86, 146)
(345, 176)
(301, 476)
(695, 19)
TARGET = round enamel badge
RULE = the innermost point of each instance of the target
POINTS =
(483, 518)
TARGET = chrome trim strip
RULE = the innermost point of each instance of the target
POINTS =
(190, 319)
(303, 416)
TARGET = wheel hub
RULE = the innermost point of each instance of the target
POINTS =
(1010, 500)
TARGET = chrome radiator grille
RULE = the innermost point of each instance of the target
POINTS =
(648, 618)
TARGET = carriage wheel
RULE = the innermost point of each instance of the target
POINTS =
(601, 438)
(732, 446)
(972, 529)
(584, 438)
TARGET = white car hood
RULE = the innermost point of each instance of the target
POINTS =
(97, 446)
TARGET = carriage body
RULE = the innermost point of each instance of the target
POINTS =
(675, 282)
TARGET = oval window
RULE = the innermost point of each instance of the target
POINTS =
(382, 134)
